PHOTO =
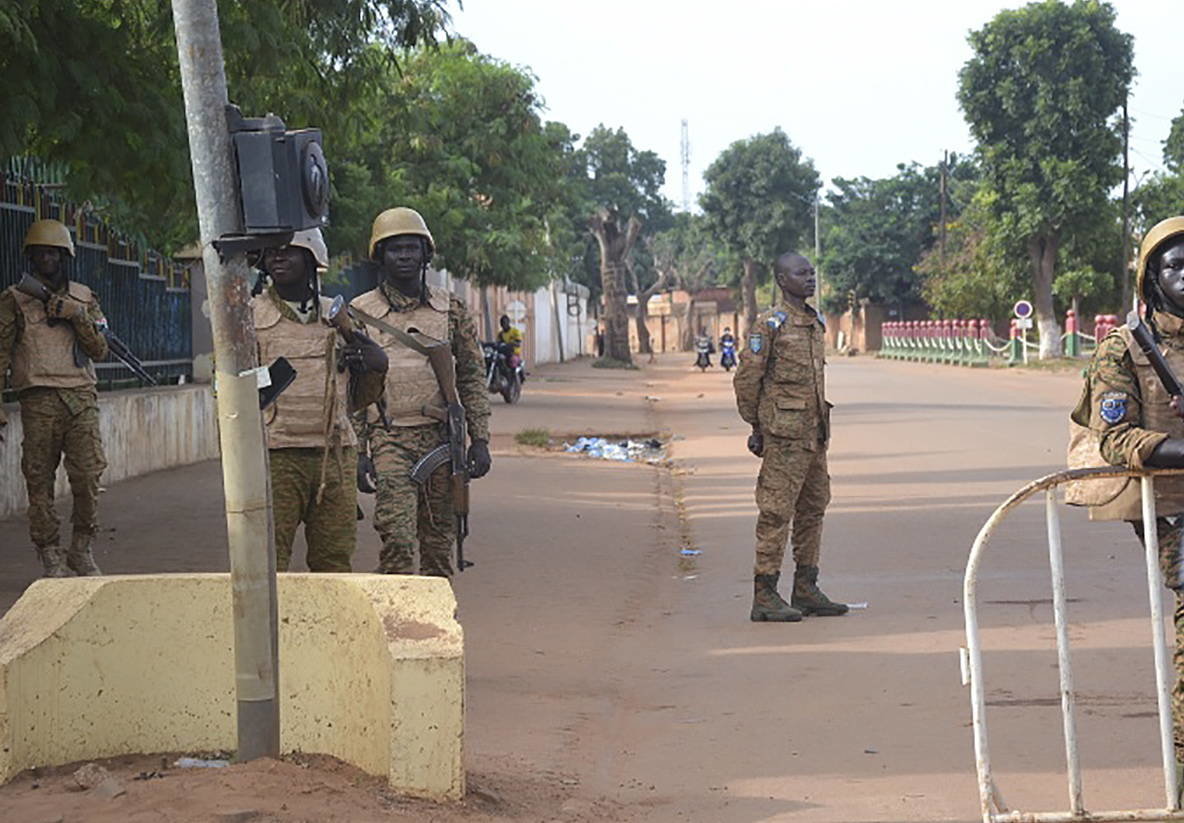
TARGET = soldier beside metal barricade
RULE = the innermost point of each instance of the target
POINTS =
(781, 392)
(312, 445)
(50, 338)
(1127, 417)
(431, 401)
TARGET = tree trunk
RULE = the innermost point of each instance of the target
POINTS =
(645, 343)
(615, 245)
(1042, 256)
(687, 338)
(748, 292)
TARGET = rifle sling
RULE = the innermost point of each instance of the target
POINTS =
(403, 337)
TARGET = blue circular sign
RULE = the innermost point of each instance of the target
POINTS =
(1022, 309)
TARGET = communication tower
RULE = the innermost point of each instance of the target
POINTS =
(686, 167)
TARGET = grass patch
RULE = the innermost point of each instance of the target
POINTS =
(540, 438)
(612, 363)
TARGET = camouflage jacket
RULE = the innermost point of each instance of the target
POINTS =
(780, 383)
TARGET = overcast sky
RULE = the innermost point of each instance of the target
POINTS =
(858, 85)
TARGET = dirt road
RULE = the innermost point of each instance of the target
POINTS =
(612, 678)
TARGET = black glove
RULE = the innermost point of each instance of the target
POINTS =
(363, 355)
(366, 474)
(479, 459)
(1167, 455)
(756, 443)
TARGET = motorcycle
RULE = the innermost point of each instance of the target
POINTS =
(727, 354)
(504, 374)
(703, 350)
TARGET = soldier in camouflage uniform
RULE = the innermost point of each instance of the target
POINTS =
(1137, 424)
(409, 519)
(312, 446)
(50, 347)
(781, 393)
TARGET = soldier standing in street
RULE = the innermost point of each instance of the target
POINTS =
(312, 446)
(1126, 406)
(50, 346)
(407, 516)
(781, 393)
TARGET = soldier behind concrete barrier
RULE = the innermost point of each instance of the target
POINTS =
(1127, 407)
(412, 520)
(50, 345)
(781, 392)
(312, 446)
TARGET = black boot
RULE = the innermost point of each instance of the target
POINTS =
(809, 598)
(767, 605)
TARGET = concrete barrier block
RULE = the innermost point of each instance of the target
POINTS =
(371, 672)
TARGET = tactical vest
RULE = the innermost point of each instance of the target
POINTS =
(410, 382)
(313, 411)
(793, 394)
(1120, 499)
(44, 355)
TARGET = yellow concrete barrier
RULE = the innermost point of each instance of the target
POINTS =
(371, 672)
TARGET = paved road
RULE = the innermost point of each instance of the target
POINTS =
(602, 661)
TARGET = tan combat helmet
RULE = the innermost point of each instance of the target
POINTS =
(49, 233)
(401, 220)
(314, 241)
(1159, 234)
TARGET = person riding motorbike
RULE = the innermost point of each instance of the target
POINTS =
(704, 348)
(727, 349)
(509, 336)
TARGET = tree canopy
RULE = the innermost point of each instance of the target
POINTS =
(1039, 95)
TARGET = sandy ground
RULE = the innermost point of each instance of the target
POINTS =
(612, 678)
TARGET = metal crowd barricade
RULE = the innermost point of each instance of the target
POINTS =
(994, 810)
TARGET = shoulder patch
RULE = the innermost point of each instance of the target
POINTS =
(1112, 406)
(756, 342)
(776, 320)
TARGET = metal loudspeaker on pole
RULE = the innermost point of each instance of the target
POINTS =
(256, 183)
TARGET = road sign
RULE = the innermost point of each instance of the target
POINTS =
(1023, 309)
(1023, 323)
(516, 311)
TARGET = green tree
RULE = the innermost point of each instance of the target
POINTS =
(94, 84)
(1039, 95)
(758, 202)
(878, 230)
(687, 257)
(1173, 146)
(622, 192)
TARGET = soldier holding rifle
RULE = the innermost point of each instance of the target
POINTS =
(435, 390)
(1134, 418)
(312, 447)
(51, 331)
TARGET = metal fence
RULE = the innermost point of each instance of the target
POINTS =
(145, 296)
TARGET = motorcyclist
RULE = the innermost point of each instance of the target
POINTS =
(510, 336)
(704, 348)
(727, 348)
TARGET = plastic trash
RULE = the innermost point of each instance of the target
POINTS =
(690, 552)
(648, 451)
(200, 763)
(862, 605)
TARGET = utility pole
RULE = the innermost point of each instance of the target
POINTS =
(244, 459)
(817, 250)
(685, 151)
(941, 237)
(1129, 298)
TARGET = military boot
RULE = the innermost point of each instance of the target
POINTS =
(809, 598)
(767, 605)
(53, 559)
(80, 559)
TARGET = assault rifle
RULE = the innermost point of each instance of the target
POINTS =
(439, 355)
(338, 316)
(1143, 336)
(36, 289)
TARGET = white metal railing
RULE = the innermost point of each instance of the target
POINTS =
(994, 810)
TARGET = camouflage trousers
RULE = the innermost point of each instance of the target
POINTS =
(1170, 532)
(61, 422)
(409, 519)
(793, 487)
(330, 526)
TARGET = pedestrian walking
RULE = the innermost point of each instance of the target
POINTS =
(312, 445)
(417, 522)
(781, 392)
(51, 345)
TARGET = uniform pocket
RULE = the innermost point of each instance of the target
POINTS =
(789, 417)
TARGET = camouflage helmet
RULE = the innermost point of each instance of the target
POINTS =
(49, 233)
(397, 221)
(314, 241)
(1159, 234)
